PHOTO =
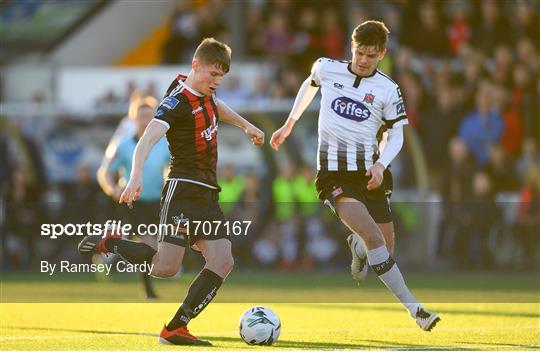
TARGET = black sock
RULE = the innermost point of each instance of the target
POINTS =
(201, 292)
(133, 252)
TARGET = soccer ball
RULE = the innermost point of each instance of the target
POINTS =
(259, 326)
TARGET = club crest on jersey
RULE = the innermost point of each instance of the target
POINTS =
(369, 98)
(350, 109)
(337, 192)
(209, 133)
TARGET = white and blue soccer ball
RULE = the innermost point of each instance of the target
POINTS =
(260, 326)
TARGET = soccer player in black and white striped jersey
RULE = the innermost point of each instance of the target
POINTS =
(357, 100)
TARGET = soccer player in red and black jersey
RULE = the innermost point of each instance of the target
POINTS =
(188, 116)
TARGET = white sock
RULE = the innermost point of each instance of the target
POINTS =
(380, 261)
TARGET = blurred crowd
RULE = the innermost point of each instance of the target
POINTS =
(469, 73)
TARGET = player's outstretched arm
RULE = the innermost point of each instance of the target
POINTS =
(305, 95)
(154, 131)
(226, 114)
(391, 150)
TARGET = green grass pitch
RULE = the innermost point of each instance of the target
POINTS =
(318, 312)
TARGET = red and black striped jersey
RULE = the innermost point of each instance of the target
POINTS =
(192, 122)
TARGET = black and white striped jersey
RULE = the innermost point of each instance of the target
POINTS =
(353, 108)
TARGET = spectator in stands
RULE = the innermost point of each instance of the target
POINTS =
(530, 158)
(109, 99)
(456, 189)
(438, 124)
(277, 39)
(210, 22)
(480, 222)
(265, 249)
(483, 127)
(307, 41)
(473, 71)
(332, 36)
(131, 91)
(6, 163)
(254, 31)
(150, 89)
(79, 206)
(232, 91)
(391, 17)
(528, 219)
(526, 24)
(413, 95)
(284, 211)
(183, 36)
(492, 29)
(289, 81)
(22, 220)
(232, 186)
(315, 246)
(427, 36)
(501, 170)
(512, 133)
(524, 100)
(459, 30)
(527, 54)
(261, 90)
(403, 61)
(80, 200)
(250, 207)
(501, 70)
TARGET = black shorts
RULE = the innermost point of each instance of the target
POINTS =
(353, 184)
(191, 213)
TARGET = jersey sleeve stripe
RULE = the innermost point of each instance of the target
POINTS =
(164, 123)
(391, 123)
(390, 79)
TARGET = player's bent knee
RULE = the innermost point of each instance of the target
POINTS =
(221, 265)
(373, 238)
(164, 272)
(229, 264)
(164, 269)
(226, 264)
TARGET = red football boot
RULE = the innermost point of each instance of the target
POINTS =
(180, 336)
(96, 244)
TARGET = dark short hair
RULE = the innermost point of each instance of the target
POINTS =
(212, 51)
(371, 33)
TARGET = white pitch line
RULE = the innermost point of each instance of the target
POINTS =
(14, 338)
(217, 333)
(49, 337)
(462, 347)
(438, 328)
